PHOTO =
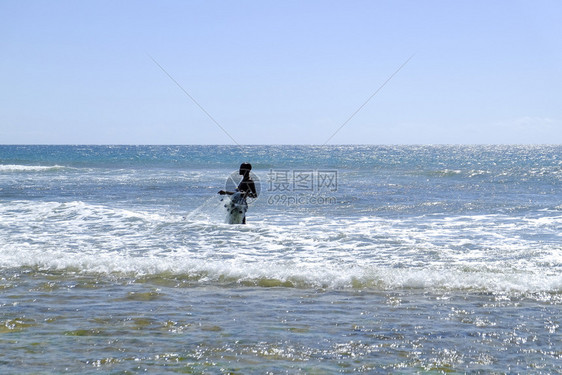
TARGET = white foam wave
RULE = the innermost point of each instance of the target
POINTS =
(179, 265)
(491, 253)
(29, 168)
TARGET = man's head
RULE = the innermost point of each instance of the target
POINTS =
(245, 169)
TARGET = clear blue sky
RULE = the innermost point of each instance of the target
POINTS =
(280, 72)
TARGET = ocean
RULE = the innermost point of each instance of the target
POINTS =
(354, 259)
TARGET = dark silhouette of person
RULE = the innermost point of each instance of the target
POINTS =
(246, 187)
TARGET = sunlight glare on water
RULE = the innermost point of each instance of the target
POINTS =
(443, 259)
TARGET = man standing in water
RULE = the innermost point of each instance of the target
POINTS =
(246, 189)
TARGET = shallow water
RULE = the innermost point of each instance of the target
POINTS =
(165, 324)
(439, 259)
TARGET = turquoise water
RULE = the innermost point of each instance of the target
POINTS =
(354, 259)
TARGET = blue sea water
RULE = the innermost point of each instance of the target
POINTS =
(373, 259)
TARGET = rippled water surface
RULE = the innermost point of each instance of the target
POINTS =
(413, 259)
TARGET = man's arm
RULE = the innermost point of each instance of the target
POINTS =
(252, 193)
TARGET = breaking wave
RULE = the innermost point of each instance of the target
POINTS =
(14, 168)
(487, 253)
